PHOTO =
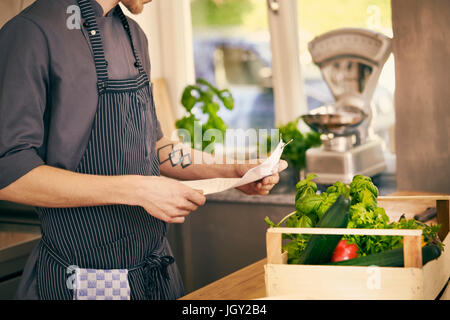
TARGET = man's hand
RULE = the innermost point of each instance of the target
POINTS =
(263, 186)
(167, 199)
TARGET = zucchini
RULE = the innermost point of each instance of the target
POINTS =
(390, 258)
(320, 247)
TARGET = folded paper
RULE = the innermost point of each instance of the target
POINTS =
(215, 185)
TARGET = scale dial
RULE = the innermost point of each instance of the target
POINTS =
(361, 43)
(347, 75)
(351, 60)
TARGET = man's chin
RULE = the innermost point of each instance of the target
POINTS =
(135, 10)
(134, 6)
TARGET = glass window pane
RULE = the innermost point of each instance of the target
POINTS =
(232, 50)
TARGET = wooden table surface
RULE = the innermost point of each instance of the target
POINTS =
(244, 284)
(248, 283)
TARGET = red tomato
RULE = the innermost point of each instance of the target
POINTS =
(344, 251)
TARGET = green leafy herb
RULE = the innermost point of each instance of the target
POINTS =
(295, 152)
(327, 201)
(208, 99)
(306, 187)
(270, 223)
(365, 213)
(339, 188)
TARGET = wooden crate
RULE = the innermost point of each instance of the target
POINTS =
(356, 282)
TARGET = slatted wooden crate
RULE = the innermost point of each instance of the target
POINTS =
(355, 282)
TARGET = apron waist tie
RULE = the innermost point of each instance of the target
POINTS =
(154, 265)
(53, 254)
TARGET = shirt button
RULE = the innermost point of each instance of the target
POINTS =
(136, 64)
(93, 32)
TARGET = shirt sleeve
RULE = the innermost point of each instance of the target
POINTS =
(24, 62)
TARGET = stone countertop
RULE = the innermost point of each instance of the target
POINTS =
(283, 194)
(237, 196)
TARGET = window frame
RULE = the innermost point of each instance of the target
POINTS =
(288, 82)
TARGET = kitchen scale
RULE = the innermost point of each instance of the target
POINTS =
(351, 60)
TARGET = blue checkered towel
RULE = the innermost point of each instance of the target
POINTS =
(97, 284)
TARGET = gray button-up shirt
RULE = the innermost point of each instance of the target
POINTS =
(48, 93)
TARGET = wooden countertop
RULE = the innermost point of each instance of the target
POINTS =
(248, 283)
(244, 284)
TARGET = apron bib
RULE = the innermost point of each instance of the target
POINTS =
(122, 142)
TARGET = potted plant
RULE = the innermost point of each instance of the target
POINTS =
(209, 99)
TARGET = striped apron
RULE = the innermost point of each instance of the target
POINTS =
(122, 142)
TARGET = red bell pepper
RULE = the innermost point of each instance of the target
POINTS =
(344, 251)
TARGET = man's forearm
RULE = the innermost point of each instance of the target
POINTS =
(185, 163)
(47, 186)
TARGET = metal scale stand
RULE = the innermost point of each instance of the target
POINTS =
(351, 60)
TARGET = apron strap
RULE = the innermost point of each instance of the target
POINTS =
(126, 26)
(90, 23)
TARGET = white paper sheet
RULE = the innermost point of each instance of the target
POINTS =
(267, 168)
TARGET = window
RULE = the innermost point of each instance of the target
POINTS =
(232, 50)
